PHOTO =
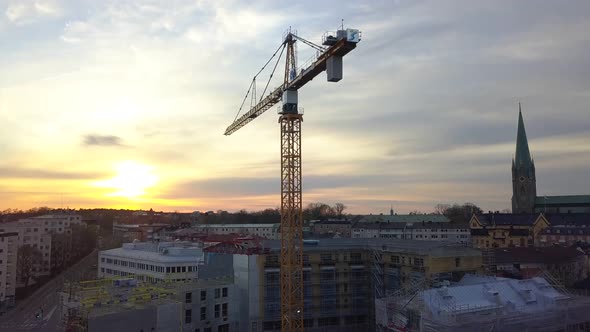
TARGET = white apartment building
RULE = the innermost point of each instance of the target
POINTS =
(413, 231)
(37, 232)
(53, 223)
(152, 262)
(8, 258)
(269, 231)
(35, 236)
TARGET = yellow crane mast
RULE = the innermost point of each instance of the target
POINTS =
(328, 57)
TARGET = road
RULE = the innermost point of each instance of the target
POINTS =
(46, 299)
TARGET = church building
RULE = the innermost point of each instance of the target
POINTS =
(524, 184)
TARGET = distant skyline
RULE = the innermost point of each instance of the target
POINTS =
(123, 104)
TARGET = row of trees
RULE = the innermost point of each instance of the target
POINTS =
(313, 211)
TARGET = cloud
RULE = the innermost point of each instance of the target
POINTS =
(426, 111)
(33, 173)
(102, 140)
(23, 12)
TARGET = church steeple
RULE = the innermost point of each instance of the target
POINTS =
(524, 186)
(523, 155)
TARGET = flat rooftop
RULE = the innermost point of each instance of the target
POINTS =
(118, 299)
(164, 252)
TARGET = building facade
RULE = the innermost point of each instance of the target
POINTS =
(504, 230)
(341, 277)
(128, 305)
(341, 228)
(153, 262)
(459, 233)
(140, 232)
(268, 231)
(403, 218)
(567, 264)
(483, 303)
(8, 261)
(34, 236)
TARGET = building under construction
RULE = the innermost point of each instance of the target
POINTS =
(126, 304)
(484, 303)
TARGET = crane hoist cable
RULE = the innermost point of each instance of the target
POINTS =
(253, 83)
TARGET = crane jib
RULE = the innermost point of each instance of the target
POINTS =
(341, 48)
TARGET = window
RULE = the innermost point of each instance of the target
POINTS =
(223, 328)
(203, 313)
(419, 261)
(457, 261)
(224, 292)
(203, 295)
(217, 292)
(224, 310)
(217, 311)
(395, 259)
(326, 258)
(188, 316)
(188, 297)
(207, 329)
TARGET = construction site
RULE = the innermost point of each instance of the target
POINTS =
(482, 302)
(110, 304)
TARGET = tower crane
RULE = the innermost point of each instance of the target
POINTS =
(329, 58)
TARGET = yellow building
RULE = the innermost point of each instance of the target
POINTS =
(503, 230)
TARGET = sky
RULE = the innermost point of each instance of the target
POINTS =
(123, 103)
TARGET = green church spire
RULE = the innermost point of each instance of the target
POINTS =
(523, 155)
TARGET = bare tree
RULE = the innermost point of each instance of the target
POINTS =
(441, 208)
(415, 212)
(339, 209)
(27, 257)
(460, 213)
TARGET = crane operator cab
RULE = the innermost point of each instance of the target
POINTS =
(289, 102)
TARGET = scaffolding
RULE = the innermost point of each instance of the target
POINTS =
(101, 296)
(406, 311)
(488, 258)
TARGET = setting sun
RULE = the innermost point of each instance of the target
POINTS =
(131, 180)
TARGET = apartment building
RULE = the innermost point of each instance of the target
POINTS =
(8, 260)
(268, 231)
(341, 277)
(338, 227)
(153, 262)
(53, 223)
(35, 236)
(403, 218)
(141, 232)
(128, 305)
(440, 231)
(566, 229)
(567, 264)
(484, 303)
(504, 230)
(50, 234)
